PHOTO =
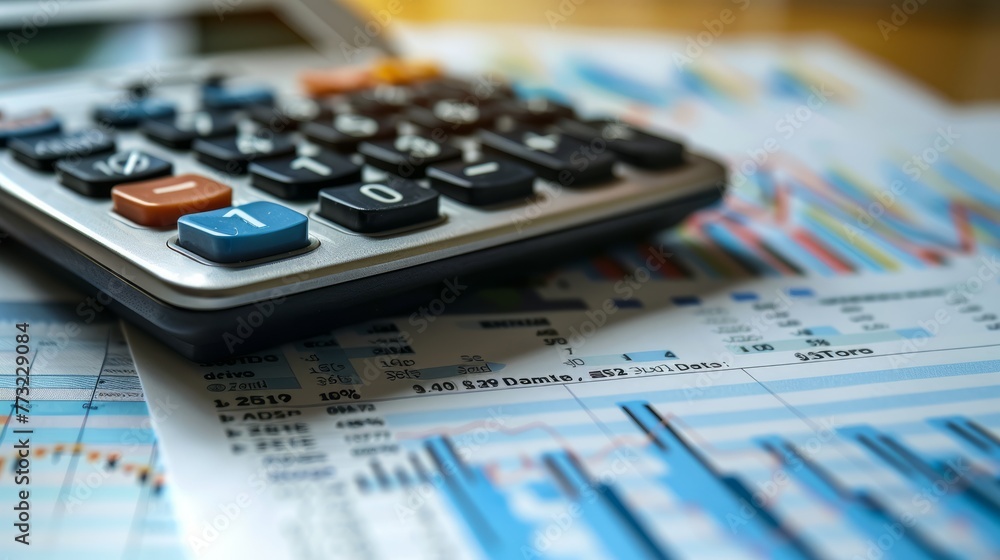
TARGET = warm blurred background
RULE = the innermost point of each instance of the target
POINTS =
(951, 45)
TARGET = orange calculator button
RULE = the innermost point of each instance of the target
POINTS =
(160, 202)
(318, 83)
(401, 72)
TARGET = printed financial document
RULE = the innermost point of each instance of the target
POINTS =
(771, 418)
(809, 370)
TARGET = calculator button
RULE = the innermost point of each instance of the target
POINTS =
(318, 83)
(553, 156)
(345, 131)
(180, 131)
(456, 116)
(243, 233)
(94, 176)
(632, 145)
(131, 113)
(377, 207)
(536, 111)
(396, 71)
(408, 155)
(479, 184)
(299, 176)
(381, 100)
(161, 202)
(232, 154)
(37, 122)
(42, 152)
(429, 93)
(216, 96)
(288, 114)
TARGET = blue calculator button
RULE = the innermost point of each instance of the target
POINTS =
(39, 122)
(130, 113)
(243, 233)
(221, 97)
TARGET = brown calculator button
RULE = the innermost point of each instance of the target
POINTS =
(160, 202)
(318, 83)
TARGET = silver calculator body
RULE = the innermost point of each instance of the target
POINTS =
(207, 309)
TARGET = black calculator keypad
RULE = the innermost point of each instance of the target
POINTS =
(181, 131)
(42, 152)
(379, 207)
(454, 116)
(632, 145)
(486, 182)
(554, 156)
(345, 131)
(96, 175)
(300, 176)
(232, 154)
(536, 111)
(288, 115)
(408, 155)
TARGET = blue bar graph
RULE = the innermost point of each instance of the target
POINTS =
(500, 534)
(970, 434)
(970, 495)
(696, 481)
(862, 509)
(610, 519)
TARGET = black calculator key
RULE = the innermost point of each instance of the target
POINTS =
(487, 182)
(408, 155)
(40, 121)
(42, 152)
(345, 131)
(126, 114)
(94, 176)
(381, 100)
(632, 145)
(233, 154)
(536, 111)
(180, 131)
(300, 176)
(379, 207)
(485, 88)
(458, 116)
(554, 156)
(288, 115)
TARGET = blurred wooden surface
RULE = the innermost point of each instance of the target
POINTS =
(952, 46)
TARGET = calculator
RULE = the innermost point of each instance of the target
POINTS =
(236, 200)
